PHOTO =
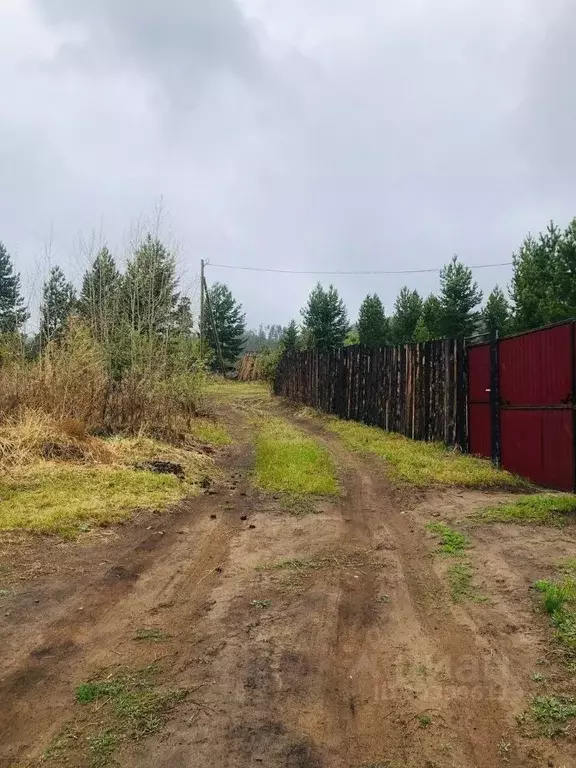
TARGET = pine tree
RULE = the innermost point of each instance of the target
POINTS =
(565, 275)
(149, 289)
(407, 311)
(99, 302)
(373, 325)
(430, 323)
(13, 314)
(496, 313)
(535, 280)
(275, 333)
(229, 320)
(325, 319)
(182, 319)
(459, 297)
(58, 302)
(290, 339)
(421, 332)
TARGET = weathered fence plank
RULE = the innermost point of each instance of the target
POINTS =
(418, 390)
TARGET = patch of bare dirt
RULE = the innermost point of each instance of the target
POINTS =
(323, 640)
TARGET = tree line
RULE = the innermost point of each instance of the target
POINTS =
(131, 311)
(542, 291)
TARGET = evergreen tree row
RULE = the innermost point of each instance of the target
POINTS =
(128, 313)
(542, 291)
(144, 302)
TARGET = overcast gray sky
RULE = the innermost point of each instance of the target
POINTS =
(300, 134)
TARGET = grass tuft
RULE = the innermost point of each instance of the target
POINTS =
(297, 505)
(549, 715)
(288, 461)
(126, 704)
(102, 746)
(558, 599)
(260, 604)
(460, 577)
(422, 464)
(539, 509)
(452, 542)
(556, 595)
(151, 635)
(295, 573)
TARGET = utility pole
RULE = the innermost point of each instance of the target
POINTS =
(201, 310)
(215, 331)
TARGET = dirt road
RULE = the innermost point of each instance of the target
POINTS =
(324, 639)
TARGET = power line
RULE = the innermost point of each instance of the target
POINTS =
(351, 272)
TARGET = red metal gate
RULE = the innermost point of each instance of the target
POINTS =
(521, 404)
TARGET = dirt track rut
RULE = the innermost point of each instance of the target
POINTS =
(359, 657)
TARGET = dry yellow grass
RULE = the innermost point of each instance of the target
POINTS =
(34, 435)
(54, 478)
(72, 379)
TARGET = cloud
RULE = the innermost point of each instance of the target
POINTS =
(291, 134)
(178, 43)
(546, 118)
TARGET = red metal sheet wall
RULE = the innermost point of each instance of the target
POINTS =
(479, 373)
(479, 428)
(535, 368)
(479, 425)
(538, 445)
(536, 404)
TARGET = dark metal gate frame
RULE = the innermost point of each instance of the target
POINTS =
(495, 402)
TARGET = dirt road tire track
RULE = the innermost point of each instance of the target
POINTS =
(361, 659)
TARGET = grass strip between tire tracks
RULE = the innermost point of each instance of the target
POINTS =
(290, 461)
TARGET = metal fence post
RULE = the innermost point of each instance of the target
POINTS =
(495, 400)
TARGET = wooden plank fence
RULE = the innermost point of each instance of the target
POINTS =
(418, 390)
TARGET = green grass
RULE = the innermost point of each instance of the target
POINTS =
(568, 566)
(557, 594)
(460, 575)
(68, 500)
(289, 461)
(451, 542)
(422, 464)
(126, 704)
(538, 509)
(226, 389)
(460, 578)
(558, 599)
(424, 720)
(67, 497)
(549, 715)
(210, 431)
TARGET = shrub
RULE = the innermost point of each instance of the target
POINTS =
(158, 392)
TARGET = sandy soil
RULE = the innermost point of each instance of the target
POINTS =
(360, 658)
